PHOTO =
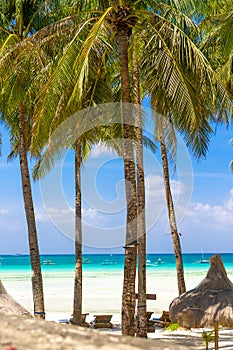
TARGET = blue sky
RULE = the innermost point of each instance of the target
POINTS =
(203, 193)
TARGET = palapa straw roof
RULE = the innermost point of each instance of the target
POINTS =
(210, 303)
(9, 305)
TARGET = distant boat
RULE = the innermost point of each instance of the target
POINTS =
(203, 260)
(86, 261)
(153, 263)
(148, 264)
(109, 262)
(48, 262)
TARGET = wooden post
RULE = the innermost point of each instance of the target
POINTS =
(216, 337)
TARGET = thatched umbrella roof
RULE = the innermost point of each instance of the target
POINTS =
(9, 305)
(210, 303)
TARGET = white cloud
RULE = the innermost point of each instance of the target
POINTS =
(229, 202)
(89, 213)
(100, 150)
(177, 188)
(43, 213)
(66, 216)
(4, 211)
(156, 206)
(155, 187)
(207, 214)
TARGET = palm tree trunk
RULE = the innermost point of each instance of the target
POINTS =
(141, 216)
(37, 284)
(77, 306)
(128, 295)
(172, 217)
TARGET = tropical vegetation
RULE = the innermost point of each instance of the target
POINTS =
(63, 57)
(18, 20)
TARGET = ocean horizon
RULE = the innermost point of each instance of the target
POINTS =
(114, 261)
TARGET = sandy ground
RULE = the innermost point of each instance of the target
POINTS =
(181, 336)
(103, 296)
(188, 338)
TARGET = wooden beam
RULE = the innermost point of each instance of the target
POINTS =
(148, 296)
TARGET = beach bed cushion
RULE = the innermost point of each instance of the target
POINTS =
(102, 321)
(64, 320)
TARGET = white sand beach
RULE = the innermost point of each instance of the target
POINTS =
(102, 295)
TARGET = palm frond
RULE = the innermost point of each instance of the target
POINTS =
(97, 33)
(149, 144)
(180, 78)
(231, 166)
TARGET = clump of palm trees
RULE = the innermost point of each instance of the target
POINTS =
(60, 57)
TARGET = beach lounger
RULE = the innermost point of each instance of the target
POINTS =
(164, 320)
(102, 321)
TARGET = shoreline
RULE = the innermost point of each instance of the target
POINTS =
(102, 290)
(102, 285)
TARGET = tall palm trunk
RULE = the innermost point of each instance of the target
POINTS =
(77, 306)
(141, 216)
(128, 295)
(172, 217)
(37, 284)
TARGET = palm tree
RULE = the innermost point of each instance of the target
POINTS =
(123, 22)
(141, 214)
(161, 130)
(16, 28)
(217, 44)
(184, 90)
(128, 298)
(95, 92)
(20, 20)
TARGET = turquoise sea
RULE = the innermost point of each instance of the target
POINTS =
(192, 262)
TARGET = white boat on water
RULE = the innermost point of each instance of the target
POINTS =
(154, 263)
(48, 262)
(86, 261)
(148, 264)
(109, 262)
(203, 260)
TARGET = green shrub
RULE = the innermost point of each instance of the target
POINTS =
(173, 327)
(207, 337)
